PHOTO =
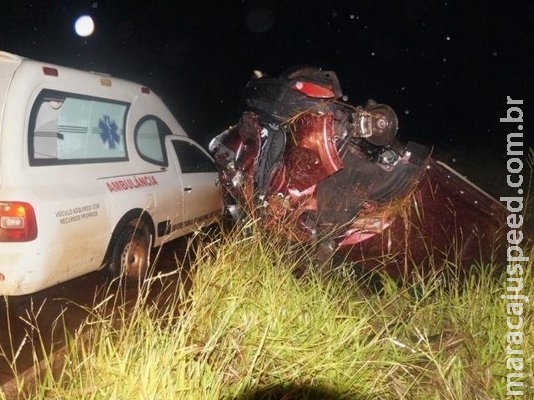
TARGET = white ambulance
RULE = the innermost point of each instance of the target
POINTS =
(94, 172)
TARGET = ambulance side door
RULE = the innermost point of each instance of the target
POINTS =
(201, 192)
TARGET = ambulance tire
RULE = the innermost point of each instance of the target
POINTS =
(131, 255)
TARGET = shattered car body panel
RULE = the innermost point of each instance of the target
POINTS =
(447, 220)
(336, 176)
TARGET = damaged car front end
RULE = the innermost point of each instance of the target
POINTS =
(336, 176)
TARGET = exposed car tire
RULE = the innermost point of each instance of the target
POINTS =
(131, 255)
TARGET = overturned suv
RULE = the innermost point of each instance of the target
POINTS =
(337, 176)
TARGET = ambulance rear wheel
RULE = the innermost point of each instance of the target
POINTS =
(131, 256)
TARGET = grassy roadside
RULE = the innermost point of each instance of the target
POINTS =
(249, 328)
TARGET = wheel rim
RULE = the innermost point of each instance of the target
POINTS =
(134, 259)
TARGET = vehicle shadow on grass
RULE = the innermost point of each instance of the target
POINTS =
(292, 391)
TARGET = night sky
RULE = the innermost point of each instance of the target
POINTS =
(446, 67)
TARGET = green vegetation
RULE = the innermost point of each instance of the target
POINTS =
(249, 326)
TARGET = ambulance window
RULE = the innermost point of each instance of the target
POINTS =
(149, 136)
(69, 128)
(191, 158)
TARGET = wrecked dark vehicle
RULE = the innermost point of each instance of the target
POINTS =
(336, 176)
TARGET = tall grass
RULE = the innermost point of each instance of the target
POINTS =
(249, 326)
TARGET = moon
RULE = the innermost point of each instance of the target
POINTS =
(84, 26)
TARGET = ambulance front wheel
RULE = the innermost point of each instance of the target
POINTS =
(131, 255)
